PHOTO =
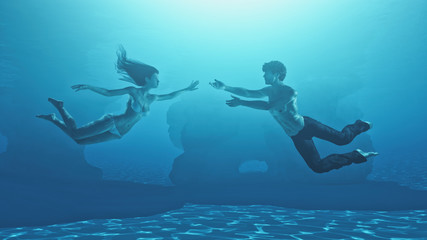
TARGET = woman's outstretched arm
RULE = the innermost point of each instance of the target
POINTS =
(104, 91)
(192, 87)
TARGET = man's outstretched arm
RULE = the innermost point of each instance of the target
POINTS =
(239, 91)
(279, 103)
(261, 105)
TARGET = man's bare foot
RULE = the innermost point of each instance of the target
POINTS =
(371, 125)
(365, 125)
(48, 117)
(367, 154)
(56, 103)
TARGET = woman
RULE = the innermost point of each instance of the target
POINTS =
(115, 126)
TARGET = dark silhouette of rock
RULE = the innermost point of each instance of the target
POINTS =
(39, 202)
(42, 202)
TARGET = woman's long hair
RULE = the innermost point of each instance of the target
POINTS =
(133, 71)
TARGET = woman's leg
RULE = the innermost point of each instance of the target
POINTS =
(103, 137)
(68, 119)
(88, 134)
(89, 130)
(309, 153)
(343, 137)
(92, 129)
(52, 118)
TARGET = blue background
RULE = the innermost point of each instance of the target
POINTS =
(347, 60)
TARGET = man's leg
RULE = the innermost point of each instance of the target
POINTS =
(343, 137)
(309, 153)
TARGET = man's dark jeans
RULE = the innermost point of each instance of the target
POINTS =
(303, 142)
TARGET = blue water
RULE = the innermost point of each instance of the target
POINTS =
(347, 60)
(253, 222)
(240, 222)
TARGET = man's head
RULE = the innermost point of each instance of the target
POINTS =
(274, 69)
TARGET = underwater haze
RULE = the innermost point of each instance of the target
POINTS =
(347, 60)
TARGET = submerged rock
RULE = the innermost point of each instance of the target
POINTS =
(39, 203)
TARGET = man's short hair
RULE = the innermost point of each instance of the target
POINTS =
(275, 67)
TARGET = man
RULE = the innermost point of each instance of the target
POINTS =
(282, 106)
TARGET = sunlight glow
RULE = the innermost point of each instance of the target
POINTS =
(237, 8)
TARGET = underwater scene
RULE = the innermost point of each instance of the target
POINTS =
(213, 119)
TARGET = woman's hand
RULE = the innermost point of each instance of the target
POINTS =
(234, 102)
(218, 84)
(79, 87)
(193, 86)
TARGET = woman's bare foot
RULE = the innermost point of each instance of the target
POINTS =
(56, 103)
(48, 117)
(367, 154)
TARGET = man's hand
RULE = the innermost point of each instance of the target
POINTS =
(193, 86)
(234, 102)
(217, 84)
(79, 87)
